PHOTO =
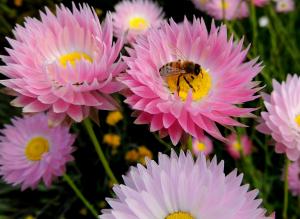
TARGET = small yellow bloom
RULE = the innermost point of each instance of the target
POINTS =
(143, 153)
(29, 217)
(114, 117)
(83, 211)
(132, 156)
(18, 3)
(138, 155)
(112, 140)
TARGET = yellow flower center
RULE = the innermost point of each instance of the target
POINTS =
(138, 23)
(199, 85)
(203, 1)
(36, 147)
(237, 146)
(224, 5)
(180, 215)
(73, 57)
(297, 120)
(201, 146)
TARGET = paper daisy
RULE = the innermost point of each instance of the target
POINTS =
(285, 5)
(184, 79)
(294, 178)
(260, 3)
(203, 145)
(282, 120)
(200, 4)
(228, 9)
(31, 151)
(135, 17)
(179, 188)
(236, 147)
(64, 63)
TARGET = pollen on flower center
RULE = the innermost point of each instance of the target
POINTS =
(72, 57)
(180, 215)
(297, 120)
(201, 146)
(138, 23)
(224, 5)
(237, 146)
(36, 147)
(199, 85)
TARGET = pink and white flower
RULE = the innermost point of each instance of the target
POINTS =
(179, 187)
(225, 80)
(284, 6)
(260, 3)
(135, 17)
(282, 120)
(31, 151)
(236, 147)
(204, 145)
(228, 9)
(294, 178)
(64, 64)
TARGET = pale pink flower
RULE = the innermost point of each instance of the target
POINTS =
(224, 81)
(200, 4)
(294, 177)
(203, 145)
(260, 3)
(228, 9)
(285, 5)
(236, 147)
(179, 187)
(64, 64)
(135, 17)
(282, 120)
(31, 151)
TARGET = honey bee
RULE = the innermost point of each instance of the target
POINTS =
(181, 69)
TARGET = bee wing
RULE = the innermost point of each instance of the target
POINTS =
(169, 70)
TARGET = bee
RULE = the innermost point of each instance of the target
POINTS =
(181, 69)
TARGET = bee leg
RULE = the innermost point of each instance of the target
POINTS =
(191, 86)
(178, 84)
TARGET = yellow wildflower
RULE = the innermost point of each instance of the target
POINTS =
(29, 217)
(143, 153)
(132, 156)
(112, 140)
(114, 117)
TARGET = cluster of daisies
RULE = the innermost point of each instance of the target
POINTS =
(58, 76)
(237, 9)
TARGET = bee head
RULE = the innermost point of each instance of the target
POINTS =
(197, 69)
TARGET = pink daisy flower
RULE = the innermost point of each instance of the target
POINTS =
(200, 4)
(228, 9)
(203, 145)
(135, 17)
(285, 5)
(31, 151)
(282, 120)
(260, 3)
(64, 63)
(178, 187)
(174, 105)
(236, 147)
(294, 178)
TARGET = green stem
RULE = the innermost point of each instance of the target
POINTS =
(89, 128)
(168, 146)
(80, 195)
(254, 26)
(286, 193)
